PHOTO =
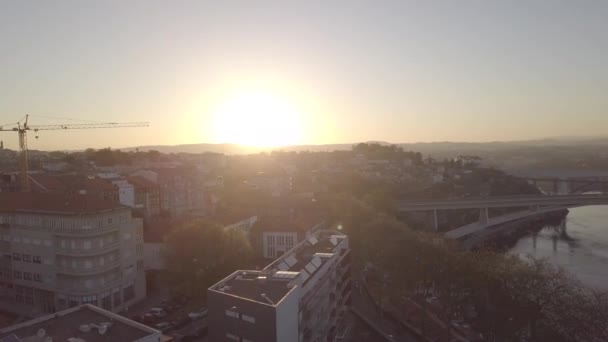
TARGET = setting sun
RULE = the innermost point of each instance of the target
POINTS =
(258, 119)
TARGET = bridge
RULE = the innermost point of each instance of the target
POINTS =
(535, 204)
(570, 185)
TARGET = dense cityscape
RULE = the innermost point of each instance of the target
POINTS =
(281, 246)
(303, 171)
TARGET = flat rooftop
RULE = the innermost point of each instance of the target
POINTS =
(299, 264)
(256, 286)
(67, 324)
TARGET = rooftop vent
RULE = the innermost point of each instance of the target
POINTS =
(262, 279)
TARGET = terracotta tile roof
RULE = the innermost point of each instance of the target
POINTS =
(44, 182)
(54, 203)
(80, 182)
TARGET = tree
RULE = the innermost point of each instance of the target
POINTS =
(201, 253)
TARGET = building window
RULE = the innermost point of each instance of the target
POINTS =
(26, 258)
(128, 293)
(248, 318)
(37, 259)
(27, 276)
(73, 301)
(37, 277)
(106, 301)
(89, 300)
(232, 314)
(16, 256)
(117, 299)
(17, 274)
(232, 337)
(140, 265)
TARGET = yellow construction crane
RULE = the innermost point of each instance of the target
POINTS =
(23, 127)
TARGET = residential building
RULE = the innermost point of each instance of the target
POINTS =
(82, 323)
(181, 192)
(147, 196)
(59, 252)
(92, 186)
(275, 183)
(302, 296)
(272, 237)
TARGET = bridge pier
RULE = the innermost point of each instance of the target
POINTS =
(435, 221)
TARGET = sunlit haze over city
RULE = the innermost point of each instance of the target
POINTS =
(303, 171)
(273, 73)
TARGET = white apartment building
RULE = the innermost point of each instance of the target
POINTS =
(59, 252)
(300, 297)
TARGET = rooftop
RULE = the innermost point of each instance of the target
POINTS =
(72, 323)
(276, 280)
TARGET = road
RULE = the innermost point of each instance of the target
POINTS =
(153, 299)
(391, 329)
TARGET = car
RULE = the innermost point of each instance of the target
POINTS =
(148, 318)
(163, 326)
(197, 314)
(157, 312)
(180, 321)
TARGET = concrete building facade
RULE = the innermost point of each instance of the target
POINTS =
(59, 252)
(301, 296)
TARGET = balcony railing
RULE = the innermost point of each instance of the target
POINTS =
(86, 252)
(79, 271)
(81, 290)
(85, 231)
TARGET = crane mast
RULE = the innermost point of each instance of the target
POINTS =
(23, 128)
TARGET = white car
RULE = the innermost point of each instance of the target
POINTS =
(157, 312)
(197, 314)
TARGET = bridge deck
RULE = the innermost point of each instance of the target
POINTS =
(504, 202)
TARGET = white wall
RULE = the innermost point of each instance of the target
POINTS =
(272, 242)
(287, 317)
(126, 192)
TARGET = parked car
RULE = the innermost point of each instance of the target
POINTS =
(164, 326)
(198, 314)
(148, 318)
(157, 312)
(180, 321)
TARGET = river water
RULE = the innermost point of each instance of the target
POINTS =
(583, 251)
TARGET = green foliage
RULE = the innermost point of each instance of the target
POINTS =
(201, 253)
(391, 152)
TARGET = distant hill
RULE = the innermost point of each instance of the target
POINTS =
(432, 148)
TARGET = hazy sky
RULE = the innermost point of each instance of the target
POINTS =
(398, 71)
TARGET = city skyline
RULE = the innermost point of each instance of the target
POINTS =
(305, 73)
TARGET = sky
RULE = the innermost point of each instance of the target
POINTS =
(304, 72)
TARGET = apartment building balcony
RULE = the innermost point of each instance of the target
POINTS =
(82, 271)
(81, 290)
(83, 231)
(88, 252)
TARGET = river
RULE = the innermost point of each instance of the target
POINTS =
(584, 252)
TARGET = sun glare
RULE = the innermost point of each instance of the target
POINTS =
(257, 119)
